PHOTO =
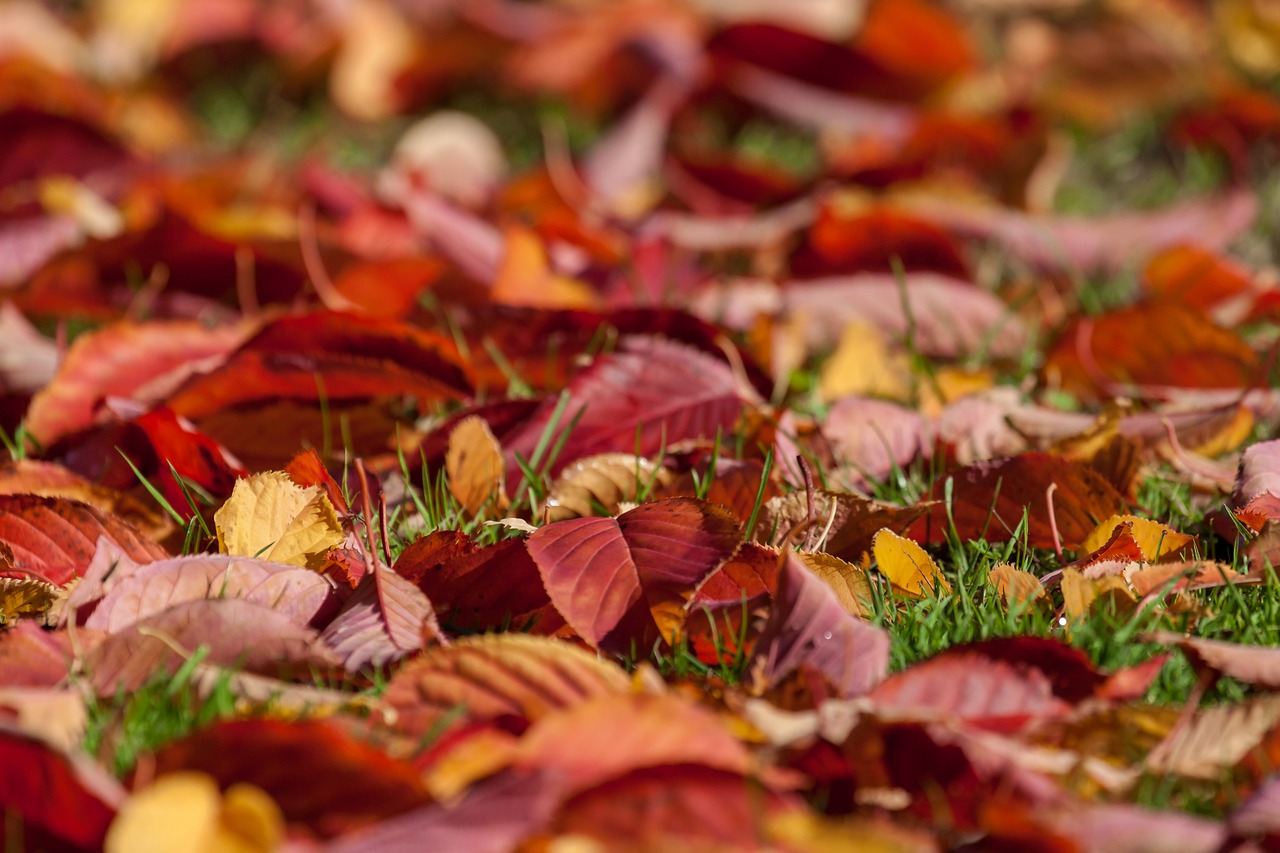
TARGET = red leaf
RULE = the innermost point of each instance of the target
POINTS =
(497, 676)
(1096, 358)
(320, 776)
(649, 394)
(808, 627)
(300, 361)
(460, 580)
(125, 360)
(57, 537)
(945, 316)
(608, 736)
(33, 657)
(596, 569)
(58, 801)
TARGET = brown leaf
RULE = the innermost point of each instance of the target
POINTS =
(496, 676)
(475, 468)
(601, 483)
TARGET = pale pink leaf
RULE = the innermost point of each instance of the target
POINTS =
(807, 626)
(381, 622)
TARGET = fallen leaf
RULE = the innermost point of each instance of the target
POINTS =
(1017, 587)
(475, 468)
(602, 483)
(597, 569)
(808, 626)
(906, 565)
(190, 811)
(271, 517)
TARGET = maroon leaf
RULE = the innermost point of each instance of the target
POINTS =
(809, 627)
(648, 395)
(988, 500)
(459, 579)
(596, 569)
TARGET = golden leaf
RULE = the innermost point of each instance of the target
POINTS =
(906, 564)
(270, 516)
(475, 468)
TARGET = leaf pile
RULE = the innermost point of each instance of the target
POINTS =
(641, 425)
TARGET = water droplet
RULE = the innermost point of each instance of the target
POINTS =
(826, 636)
(1062, 620)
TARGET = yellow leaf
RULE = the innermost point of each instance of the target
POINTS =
(475, 467)
(185, 812)
(863, 364)
(1154, 539)
(1015, 585)
(270, 516)
(849, 582)
(24, 597)
(906, 564)
(1079, 592)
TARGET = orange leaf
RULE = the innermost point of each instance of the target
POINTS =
(907, 565)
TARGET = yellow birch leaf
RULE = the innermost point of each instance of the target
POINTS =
(849, 582)
(1154, 539)
(1079, 592)
(475, 468)
(270, 516)
(185, 813)
(906, 564)
(1015, 585)
(863, 364)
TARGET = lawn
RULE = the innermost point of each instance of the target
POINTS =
(641, 425)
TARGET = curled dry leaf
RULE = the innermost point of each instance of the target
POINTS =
(906, 565)
(475, 468)
(850, 583)
(1016, 586)
(601, 483)
(841, 524)
(1216, 738)
(270, 516)
(495, 676)
(23, 598)
(809, 627)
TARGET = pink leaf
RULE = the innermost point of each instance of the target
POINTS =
(140, 591)
(236, 632)
(945, 316)
(808, 626)
(872, 437)
(381, 622)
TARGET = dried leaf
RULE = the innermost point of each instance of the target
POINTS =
(475, 468)
(270, 516)
(494, 676)
(849, 582)
(195, 815)
(602, 482)
(1016, 586)
(907, 565)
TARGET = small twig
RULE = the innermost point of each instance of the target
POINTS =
(367, 549)
(1053, 519)
(382, 518)
(807, 473)
(314, 264)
